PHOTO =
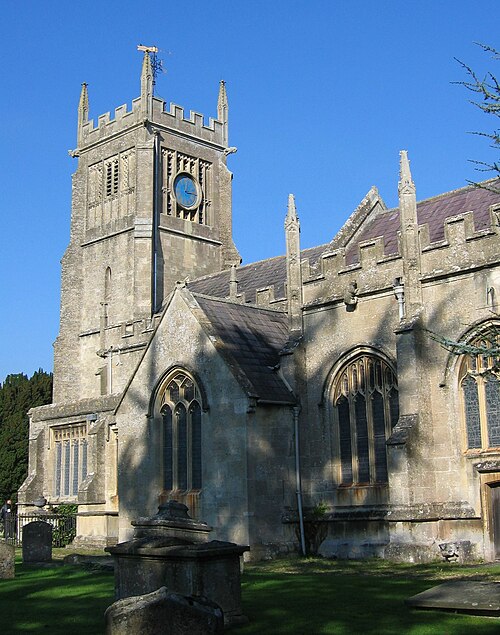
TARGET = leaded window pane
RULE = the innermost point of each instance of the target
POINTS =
(57, 475)
(67, 458)
(492, 393)
(188, 389)
(195, 445)
(182, 447)
(76, 456)
(84, 459)
(472, 414)
(167, 448)
(174, 392)
(180, 407)
(362, 439)
(379, 438)
(345, 441)
(367, 406)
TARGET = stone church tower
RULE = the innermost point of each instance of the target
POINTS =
(151, 206)
(258, 394)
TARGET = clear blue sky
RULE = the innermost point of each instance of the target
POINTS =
(322, 96)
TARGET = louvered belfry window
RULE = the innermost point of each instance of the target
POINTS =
(365, 409)
(480, 391)
(180, 407)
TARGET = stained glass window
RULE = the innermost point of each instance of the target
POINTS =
(492, 394)
(345, 440)
(180, 408)
(76, 471)
(472, 415)
(167, 448)
(480, 388)
(366, 408)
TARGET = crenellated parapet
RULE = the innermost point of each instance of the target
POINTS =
(326, 280)
(462, 247)
(164, 117)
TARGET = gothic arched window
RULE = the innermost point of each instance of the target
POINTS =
(480, 391)
(180, 408)
(365, 409)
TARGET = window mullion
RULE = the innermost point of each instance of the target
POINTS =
(175, 437)
(189, 449)
(371, 436)
(482, 411)
(354, 438)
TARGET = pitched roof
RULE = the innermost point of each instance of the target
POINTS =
(250, 340)
(432, 212)
(257, 275)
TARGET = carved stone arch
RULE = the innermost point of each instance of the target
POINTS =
(346, 358)
(165, 378)
(478, 386)
(176, 412)
(453, 361)
(362, 408)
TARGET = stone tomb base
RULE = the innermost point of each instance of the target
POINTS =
(461, 596)
(172, 550)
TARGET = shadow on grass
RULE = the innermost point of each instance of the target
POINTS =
(351, 601)
(282, 597)
(56, 600)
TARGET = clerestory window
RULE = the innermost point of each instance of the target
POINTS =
(180, 408)
(480, 391)
(365, 409)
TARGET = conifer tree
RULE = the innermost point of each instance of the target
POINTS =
(488, 91)
(17, 395)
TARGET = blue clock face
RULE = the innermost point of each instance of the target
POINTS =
(186, 191)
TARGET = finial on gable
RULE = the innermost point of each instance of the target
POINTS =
(293, 267)
(83, 104)
(83, 111)
(222, 108)
(291, 216)
(405, 179)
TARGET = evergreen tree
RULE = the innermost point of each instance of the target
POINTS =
(488, 90)
(17, 395)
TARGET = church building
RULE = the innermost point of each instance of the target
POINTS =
(309, 385)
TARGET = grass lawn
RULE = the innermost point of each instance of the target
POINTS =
(293, 597)
(316, 597)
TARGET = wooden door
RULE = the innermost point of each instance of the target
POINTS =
(495, 518)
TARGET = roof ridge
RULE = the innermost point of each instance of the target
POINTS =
(229, 301)
(471, 186)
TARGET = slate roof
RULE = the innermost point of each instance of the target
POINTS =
(432, 212)
(257, 275)
(250, 339)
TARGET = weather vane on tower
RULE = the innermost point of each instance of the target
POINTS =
(156, 62)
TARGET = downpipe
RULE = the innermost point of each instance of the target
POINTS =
(298, 479)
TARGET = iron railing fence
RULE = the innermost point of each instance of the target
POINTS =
(63, 528)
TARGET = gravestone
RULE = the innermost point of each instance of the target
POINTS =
(172, 550)
(37, 542)
(6, 561)
(166, 613)
(460, 596)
